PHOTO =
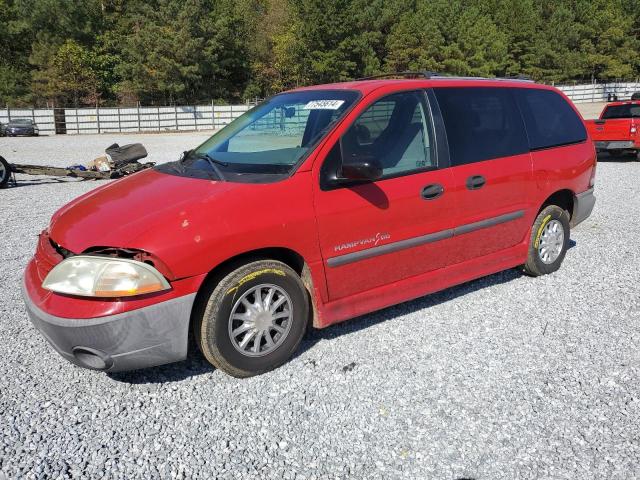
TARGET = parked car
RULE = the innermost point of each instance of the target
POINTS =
(616, 131)
(319, 205)
(21, 127)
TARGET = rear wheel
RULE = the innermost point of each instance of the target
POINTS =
(5, 172)
(253, 320)
(549, 241)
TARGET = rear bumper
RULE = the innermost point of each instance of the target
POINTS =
(583, 204)
(145, 337)
(616, 145)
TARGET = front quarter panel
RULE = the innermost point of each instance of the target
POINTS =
(200, 236)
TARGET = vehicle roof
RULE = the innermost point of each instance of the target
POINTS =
(623, 102)
(367, 86)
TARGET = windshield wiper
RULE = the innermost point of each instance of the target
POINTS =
(213, 162)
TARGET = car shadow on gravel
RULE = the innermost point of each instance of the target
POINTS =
(365, 321)
(627, 158)
(195, 364)
(24, 183)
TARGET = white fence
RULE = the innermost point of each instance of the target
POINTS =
(134, 119)
(212, 117)
(150, 119)
(599, 92)
(43, 117)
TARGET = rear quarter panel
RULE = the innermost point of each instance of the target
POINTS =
(567, 167)
(563, 168)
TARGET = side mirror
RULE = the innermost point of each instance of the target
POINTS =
(361, 168)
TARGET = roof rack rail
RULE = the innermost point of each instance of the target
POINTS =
(520, 76)
(408, 74)
(426, 74)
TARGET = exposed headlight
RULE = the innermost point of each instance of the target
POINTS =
(90, 276)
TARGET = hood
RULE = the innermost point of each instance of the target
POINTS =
(188, 224)
(138, 211)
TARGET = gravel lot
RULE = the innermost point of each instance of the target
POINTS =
(502, 378)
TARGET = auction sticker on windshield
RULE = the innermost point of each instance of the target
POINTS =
(323, 105)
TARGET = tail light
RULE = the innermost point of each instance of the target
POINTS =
(633, 130)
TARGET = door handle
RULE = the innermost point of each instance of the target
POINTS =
(431, 192)
(475, 182)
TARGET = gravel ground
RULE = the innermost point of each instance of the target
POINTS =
(590, 110)
(502, 378)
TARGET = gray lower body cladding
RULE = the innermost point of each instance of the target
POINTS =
(141, 338)
(583, 204)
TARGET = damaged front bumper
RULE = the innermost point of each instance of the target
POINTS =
(110, 335)
(146, 337)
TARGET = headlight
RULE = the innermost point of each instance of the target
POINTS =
(90, 276)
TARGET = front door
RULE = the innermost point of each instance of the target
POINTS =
(379, 232)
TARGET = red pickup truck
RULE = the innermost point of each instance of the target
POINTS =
(616, 131)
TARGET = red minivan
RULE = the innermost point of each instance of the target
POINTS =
(318, 205)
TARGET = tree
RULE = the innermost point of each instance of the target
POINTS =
(610, 49)
(176, 51)
(70, 77)
(188, 51)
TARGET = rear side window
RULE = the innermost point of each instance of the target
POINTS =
(549, 119)
(481, 123)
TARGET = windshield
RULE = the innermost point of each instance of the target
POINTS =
(22, 121)
(629, 110)
(269, 139)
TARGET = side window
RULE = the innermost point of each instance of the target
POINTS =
(481, 123)
(549, 119)
(396, 131)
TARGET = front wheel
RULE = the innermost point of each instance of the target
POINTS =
(549, 241)
(253, 320)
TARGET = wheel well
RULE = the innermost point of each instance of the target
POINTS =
(561, 198)
(285, 255)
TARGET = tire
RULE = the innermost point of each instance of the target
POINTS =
(549, 219)
(5, 173)
(212, 323)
